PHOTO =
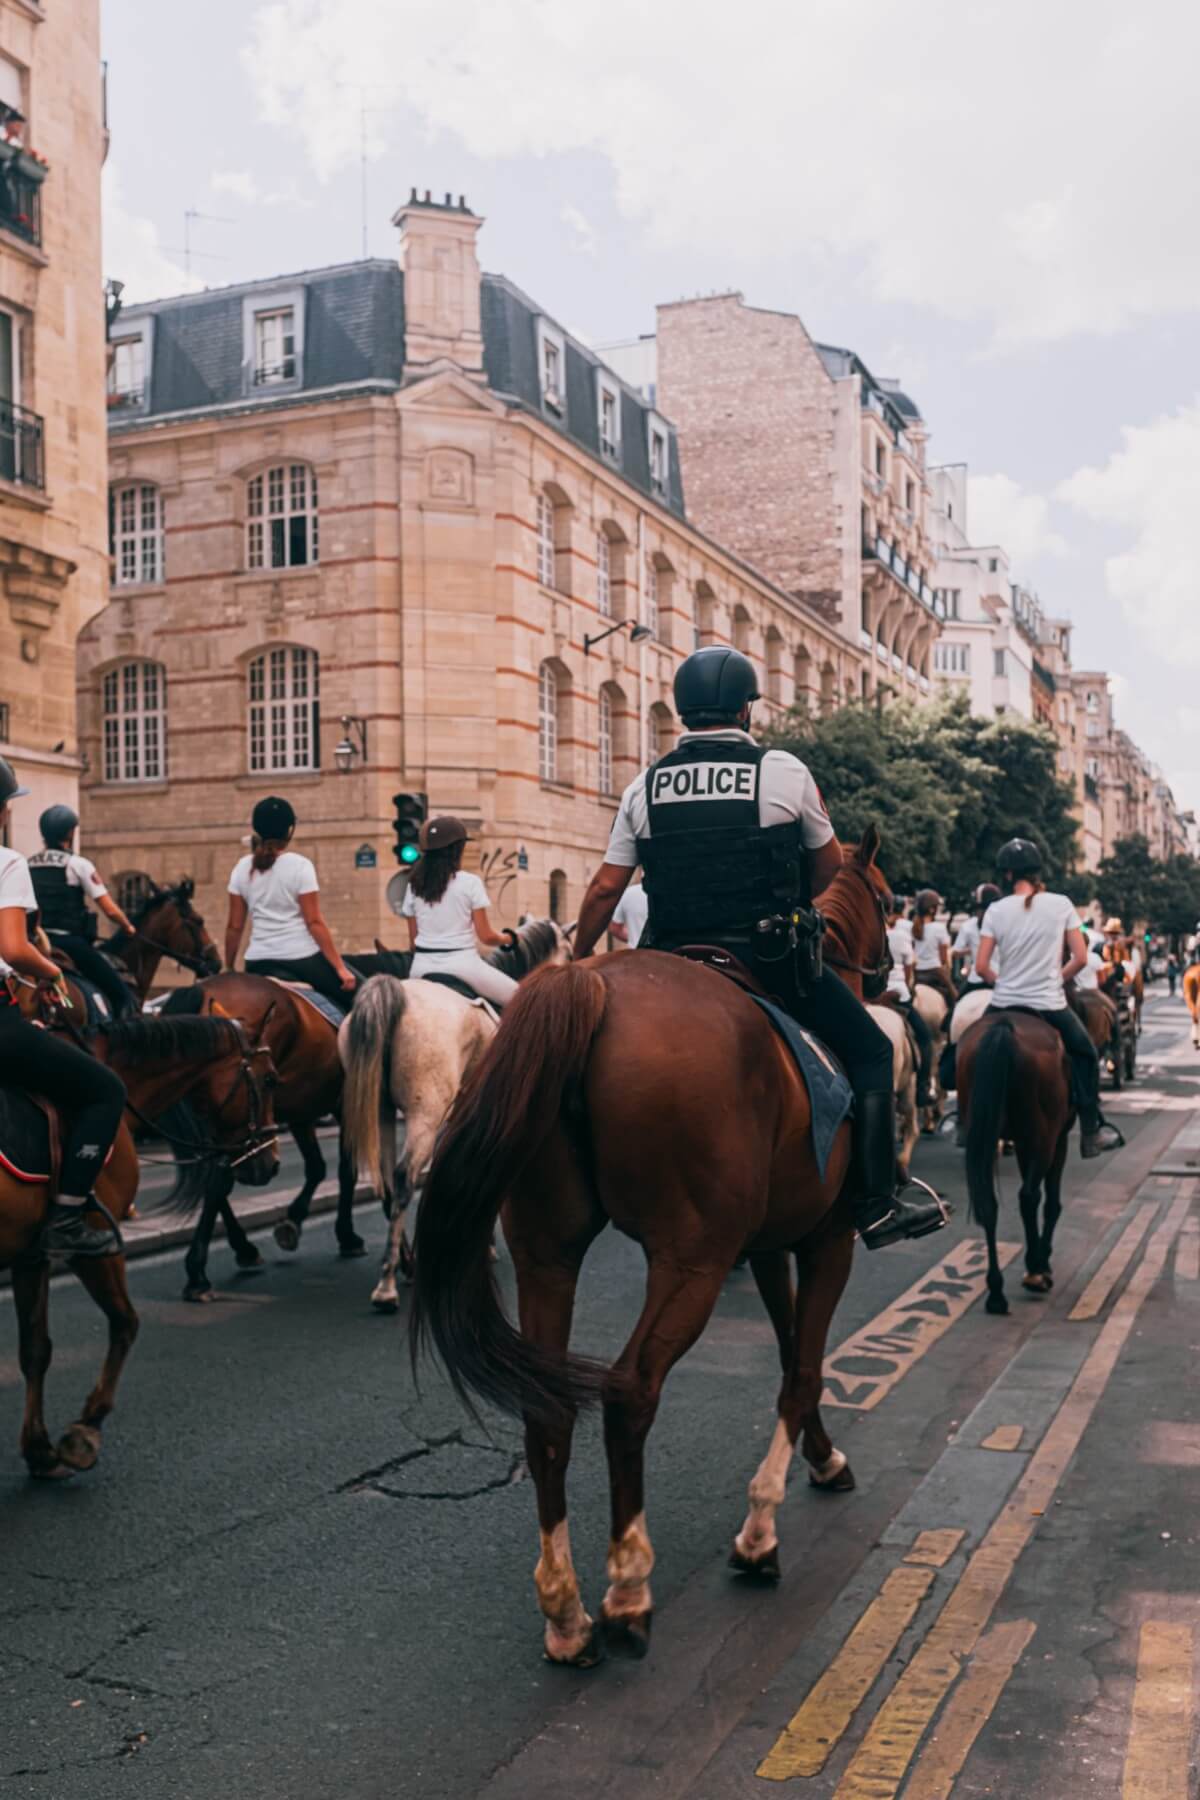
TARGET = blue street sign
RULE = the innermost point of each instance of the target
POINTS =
(364, 857)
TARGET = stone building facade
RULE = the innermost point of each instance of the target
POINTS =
(392, 506)
(799, 458)
(52, 414)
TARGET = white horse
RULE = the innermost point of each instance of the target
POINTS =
(428, 1036)
(930, 1002)
(904, 1079)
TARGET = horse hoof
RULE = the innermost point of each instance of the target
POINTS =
(251, 1262)
(386, 1303)
(841, 1483)
(352, 1247)
(48, 1468)
(593, 1652)
(764, 1568)
(200, 1294)
(79, 1448)
(1037, 1283)
(287, 1234)
(996, 1303)
(627, 1636)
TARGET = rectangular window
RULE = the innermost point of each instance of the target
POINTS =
(651, 615)
(274, 347)
(552, 367)
(658, 461)
(880, 459)
(608, 408)
(952, 659)
(1000, 662)
(127, 372)
(993, 564)
(910, 495)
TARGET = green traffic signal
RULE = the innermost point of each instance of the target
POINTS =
(410, 854)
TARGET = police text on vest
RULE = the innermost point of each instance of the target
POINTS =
(704, 781)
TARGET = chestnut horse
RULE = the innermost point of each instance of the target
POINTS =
(1191, 994)
(647, 1092)
(159, 1061)
(1014, 1084)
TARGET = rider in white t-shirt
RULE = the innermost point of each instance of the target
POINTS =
(931, 945)
(629, 920)
(899, 993)
(446, 908)
(1029, 928)
(277, 890)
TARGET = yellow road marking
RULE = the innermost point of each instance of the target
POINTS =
(1113, 1267)
(879, 1765)
(933, 1548)
(1187, 1252)
(1005, 1437)
(868, 1365)
(808, 1740)
(1156, 1761)
(968, 1710)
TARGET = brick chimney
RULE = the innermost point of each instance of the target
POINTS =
(441, 284)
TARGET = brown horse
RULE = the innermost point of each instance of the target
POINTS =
(1099, 1014)
(1191, 995)
(1014, 1084)
(159, 1061)
(165, 925)
(650, 1093)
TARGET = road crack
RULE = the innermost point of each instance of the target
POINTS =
(374, 1480)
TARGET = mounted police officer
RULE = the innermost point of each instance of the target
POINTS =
(64, 882)
(731, 836)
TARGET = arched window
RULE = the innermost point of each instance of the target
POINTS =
(549, 688)
(132, 888)
(603, 575)
(703, 614)
(545, 541)
(281, 518)
(660, 731)
(741, 630)
(284, 694)
(135, 533)
(604, 729)
(650, 608)
(558, 896)
(774, 649)
(135, 722)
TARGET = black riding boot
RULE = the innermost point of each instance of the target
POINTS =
(880, 1213)
(67, 1232)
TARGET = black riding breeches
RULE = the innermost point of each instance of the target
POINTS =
(89, 1095)
(1085, 1063)
(831, 1012)
(316, 970)
(96, 967)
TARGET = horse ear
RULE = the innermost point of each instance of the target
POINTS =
(187, 888)
(868, 849)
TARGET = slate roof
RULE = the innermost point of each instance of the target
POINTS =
(354, 336)
(840, 363)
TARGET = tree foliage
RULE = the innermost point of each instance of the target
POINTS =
(945, 788)
(1138, 889)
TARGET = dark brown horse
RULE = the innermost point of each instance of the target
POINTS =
(159, 1061)
(650, 1093)
(1014, 1083)
(166, 924)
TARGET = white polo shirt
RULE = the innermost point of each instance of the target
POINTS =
(16, 888)
(786, 791)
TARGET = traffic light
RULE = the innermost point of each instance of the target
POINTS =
(411, 811)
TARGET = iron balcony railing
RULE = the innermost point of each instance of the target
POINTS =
(879, 550)
(20, 204)
(21, 450)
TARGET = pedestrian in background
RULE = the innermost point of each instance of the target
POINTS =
(1172, 972)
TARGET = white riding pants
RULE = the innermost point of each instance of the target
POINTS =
(468, 966)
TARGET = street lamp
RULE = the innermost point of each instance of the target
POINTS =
(637, 635)
(353, 743)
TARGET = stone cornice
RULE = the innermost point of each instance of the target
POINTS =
(34, 582)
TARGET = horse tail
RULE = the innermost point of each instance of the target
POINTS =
(507, 1109)
(365, 1041)
(990, 1078)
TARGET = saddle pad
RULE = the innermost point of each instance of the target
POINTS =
(24, 1137)
(830, 1094)
(99, 1012)
(330, 1011)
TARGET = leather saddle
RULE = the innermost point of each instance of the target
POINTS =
(724, 962)
(458, 986)
(30, 1138)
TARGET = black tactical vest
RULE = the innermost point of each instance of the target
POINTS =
(63, 907)
(712, 871)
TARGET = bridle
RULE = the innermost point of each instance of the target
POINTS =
(873, 972)
(195, 962)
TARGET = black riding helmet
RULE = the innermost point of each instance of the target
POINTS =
(10, 787)
(714, 685)
(273, 820)
(1019, 857)
(56, 825)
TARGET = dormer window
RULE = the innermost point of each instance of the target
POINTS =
(608, 410)
(275, 347)
(129, 367)
(658, 448)
(552, 368)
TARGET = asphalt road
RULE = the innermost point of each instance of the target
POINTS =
(292, 1576)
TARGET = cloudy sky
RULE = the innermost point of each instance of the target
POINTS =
(992, 201)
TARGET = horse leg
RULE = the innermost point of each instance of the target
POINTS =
(1052, 1210)
(1034, 1278)
(772, 1273)
(31, 1295)
(249, 1257)
(104, 1277)
(348, 1241)
(197, 1286)
(418, 1148)
(823, 1267)
(677, 1308)
(287, 1231)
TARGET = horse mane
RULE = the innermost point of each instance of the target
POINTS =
(143, 1039)
(840, 906)
(537, 939)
